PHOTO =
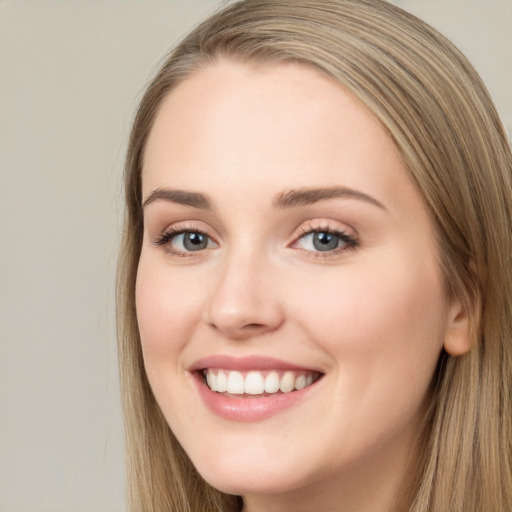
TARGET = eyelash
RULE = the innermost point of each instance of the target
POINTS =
(350, 242)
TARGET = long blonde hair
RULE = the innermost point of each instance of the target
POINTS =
(438, 112)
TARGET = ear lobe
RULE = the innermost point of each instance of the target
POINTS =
(457, 341)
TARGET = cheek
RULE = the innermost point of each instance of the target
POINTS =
(382, 324)
(166, 310)
(167, 314)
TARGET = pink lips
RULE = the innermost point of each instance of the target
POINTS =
(243, 364)
(242, 408)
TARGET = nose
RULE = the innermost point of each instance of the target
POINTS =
(244, 303)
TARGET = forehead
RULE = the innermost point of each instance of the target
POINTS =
(275, 126)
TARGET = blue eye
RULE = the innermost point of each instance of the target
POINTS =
(184, 241)
(191, 241)
(325, 241)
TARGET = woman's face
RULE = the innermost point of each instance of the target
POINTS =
(286, 248)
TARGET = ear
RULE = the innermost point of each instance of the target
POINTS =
(457, 339)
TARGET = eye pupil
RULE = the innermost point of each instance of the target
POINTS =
(194, 241)
(325, 241)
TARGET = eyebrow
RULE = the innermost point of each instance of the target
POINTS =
(194, 199)
(307, 196)
(288, 199)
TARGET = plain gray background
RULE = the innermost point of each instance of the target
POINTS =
(71, 73)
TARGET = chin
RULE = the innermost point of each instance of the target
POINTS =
(243, 475)
(247, 482)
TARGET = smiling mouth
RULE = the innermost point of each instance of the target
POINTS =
(254, 384)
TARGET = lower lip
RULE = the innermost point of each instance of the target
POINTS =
(249, 409)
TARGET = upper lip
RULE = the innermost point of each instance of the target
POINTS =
(244, 364)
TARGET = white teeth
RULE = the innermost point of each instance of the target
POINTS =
(257, 383)
(222, 381)
(254, 383)
(211, 379)
(235, 383)
(272, 383)
(287, 383)
(300, 382)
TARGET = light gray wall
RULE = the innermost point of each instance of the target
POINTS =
(70, 75)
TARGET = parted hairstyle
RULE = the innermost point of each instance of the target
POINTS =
(436, 109)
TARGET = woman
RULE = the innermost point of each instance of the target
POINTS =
(315, 278)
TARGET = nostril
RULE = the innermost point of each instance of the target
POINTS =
(239, 319)
(243, 331)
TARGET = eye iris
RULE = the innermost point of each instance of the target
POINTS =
(194, 241)
(325, 241)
